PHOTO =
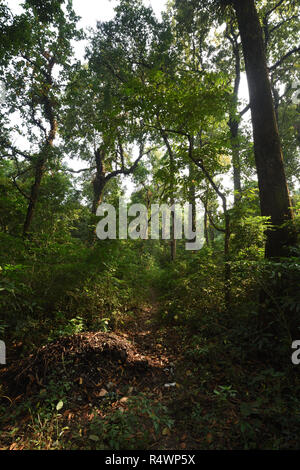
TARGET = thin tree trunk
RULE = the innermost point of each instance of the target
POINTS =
(192, 194)
(274, 196)
(99, 181)
(235, 147)
(172, 186)
(173, 239)
(192, 197)
(233, 119)
(211, 234)
(227, 270)
(206, 227)
(206, 218)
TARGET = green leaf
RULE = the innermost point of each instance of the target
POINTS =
(59, 405)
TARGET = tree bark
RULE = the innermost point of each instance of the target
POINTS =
(235, 147)
(274, 196)
(99, 181)
(39, 172)
(206, 227)
(233, 119)
(192, 195)
(172, 190)
(35, 189)
(173, 239)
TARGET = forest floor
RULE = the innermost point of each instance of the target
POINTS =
(144, 386)
(92, 374)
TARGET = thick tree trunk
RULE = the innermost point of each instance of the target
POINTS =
(98, 187)
(43, 157)
(274, 196)
(39, 172)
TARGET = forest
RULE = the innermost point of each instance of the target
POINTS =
(121, 329)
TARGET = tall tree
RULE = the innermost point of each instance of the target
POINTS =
(34, 80)
(98, 129)
(274, 195)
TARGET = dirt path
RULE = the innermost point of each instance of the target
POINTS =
(152, 340)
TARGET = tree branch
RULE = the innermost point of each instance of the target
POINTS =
(246, 108)
(277, 5)
(286, 56)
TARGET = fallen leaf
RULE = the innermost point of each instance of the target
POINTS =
(166, 432)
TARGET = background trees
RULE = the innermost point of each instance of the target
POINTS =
(33, 96)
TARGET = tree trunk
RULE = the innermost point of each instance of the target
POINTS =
(233, 119)
(211, 234)
(227, 270)
(99, 181)
(274, 196)
(235, 147)
(39, 172)
(98, 187)
(173, 240)
(206, 227)
(192, 194)
(172, 190)
(43, 157)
